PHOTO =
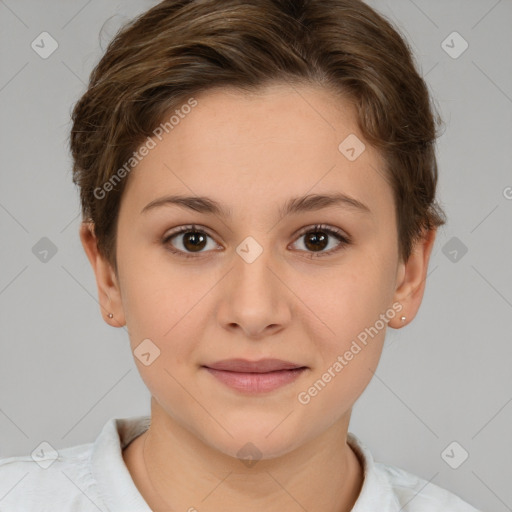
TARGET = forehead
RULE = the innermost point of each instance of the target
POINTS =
(242, 148)
(291, 117)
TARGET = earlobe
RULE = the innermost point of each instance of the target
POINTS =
(411, 280)
(109, 295)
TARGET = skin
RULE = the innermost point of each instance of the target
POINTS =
(251, 153)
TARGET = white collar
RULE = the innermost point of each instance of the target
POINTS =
(118, 491)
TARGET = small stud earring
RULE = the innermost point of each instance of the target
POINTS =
(402, 318)
(110, 315)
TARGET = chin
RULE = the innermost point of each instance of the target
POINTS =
(251, 441)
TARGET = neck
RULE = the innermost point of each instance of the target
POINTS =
(174, 470)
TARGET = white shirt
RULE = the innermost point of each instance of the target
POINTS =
(93, 477)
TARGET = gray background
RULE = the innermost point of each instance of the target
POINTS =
(446, 377)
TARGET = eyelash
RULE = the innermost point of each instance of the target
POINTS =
(343, 239)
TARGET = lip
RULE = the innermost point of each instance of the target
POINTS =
(246, 366)
(252, 377)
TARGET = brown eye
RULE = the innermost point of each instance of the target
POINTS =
(189, 241)
(316, 241)
(318, 237)
(194, 241)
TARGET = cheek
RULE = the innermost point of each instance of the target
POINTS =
(162, 304)
(170, 319)
(352, 297)
(354, 306)
(157, 292)
(169, 332)
(350, 347)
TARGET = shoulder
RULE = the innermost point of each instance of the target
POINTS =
(88, 477)
(48, 481)
(391, 489)
(416, 494)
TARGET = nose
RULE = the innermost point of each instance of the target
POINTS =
(255, 298)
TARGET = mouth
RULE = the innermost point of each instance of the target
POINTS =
(255, 376)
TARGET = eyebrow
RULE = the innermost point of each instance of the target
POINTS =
(307, 203)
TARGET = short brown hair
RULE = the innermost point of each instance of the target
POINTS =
(182, 47)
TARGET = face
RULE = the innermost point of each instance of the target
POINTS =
(314, 286)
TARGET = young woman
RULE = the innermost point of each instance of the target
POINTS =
(257, 182)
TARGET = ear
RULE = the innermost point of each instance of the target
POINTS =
(108, 288)
(411, 279)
